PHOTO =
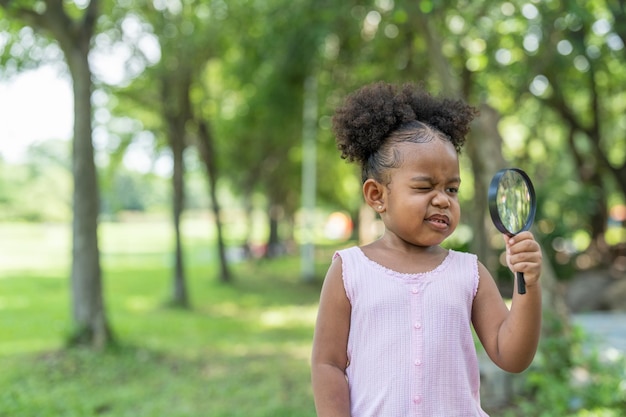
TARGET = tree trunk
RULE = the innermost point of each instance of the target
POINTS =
(249, 213)
(179, 290)
(486, 157)
(89, 323)
(175, 135)
(207, 152)
(88, 312)
(176, 111)
(274, 246)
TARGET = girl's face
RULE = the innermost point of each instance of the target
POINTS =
(421, 202)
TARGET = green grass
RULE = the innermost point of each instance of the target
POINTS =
(241, 350)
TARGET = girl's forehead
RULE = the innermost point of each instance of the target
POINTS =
(434, 157)
(434, 150)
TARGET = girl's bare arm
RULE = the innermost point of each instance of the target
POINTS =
(510, 338)
(329, 358)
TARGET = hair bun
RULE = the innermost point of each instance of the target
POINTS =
(370, 114)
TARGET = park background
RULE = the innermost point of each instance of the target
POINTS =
(165, 258)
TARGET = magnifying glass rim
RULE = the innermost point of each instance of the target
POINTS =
(493, 203)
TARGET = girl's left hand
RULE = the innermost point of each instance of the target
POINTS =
(523, 254)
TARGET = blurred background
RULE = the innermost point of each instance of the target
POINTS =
(171, 194)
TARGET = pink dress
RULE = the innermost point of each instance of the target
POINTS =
(410, 347)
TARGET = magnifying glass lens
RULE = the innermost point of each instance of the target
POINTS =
(512, 206)
(513, 202)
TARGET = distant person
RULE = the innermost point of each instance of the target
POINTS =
(393, 335)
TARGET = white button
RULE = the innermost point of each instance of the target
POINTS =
(417, 325)
(414, 290)
(417, 399)
(417, 362)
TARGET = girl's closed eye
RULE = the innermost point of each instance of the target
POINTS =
(424, 188)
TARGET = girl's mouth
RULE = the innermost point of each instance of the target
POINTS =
(439, 221)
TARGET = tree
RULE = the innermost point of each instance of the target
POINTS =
(206, 147)
(276, 60)
(73, 35)
(584, 49)
(173, 110)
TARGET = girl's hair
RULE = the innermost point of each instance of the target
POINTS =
(376, 117)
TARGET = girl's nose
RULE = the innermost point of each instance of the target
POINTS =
(441, 200)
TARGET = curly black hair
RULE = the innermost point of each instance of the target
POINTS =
(380, 113)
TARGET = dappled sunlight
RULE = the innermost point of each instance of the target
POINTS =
(280, 330)
(269, 317)
(294, 350)
(227, 309)
(289, 316)
(28, 346)
(34, 247)
(14, 303)
(138, 303)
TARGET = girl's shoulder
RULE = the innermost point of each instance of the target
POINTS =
(350, 251)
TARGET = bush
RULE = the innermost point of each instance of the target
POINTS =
(573, 378)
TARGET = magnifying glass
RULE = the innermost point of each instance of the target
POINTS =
(512, 206)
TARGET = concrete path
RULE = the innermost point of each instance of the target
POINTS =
(606, 330)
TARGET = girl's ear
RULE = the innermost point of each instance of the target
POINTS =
(374, 194)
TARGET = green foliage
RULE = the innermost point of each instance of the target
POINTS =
(553, 71)
(571, 378)
(23, 188)
(126, 190)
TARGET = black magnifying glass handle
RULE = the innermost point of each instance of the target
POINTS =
(521, 283)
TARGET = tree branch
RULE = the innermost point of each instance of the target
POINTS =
(28, 16)
(91, 16)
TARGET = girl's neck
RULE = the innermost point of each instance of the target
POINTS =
(393, 243)
(404, 257)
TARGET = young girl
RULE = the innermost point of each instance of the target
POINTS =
(393, 335)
